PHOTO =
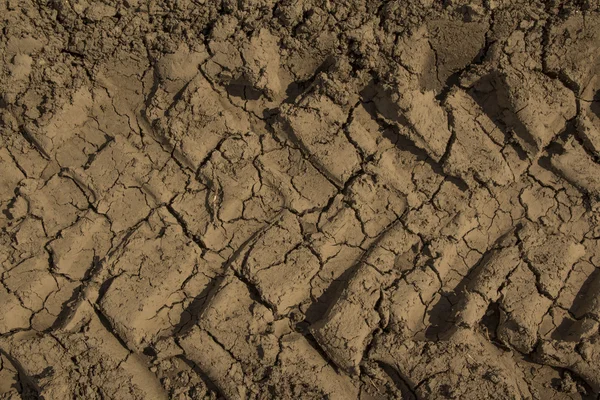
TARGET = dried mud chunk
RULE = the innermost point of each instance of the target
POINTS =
(464, 364)
(57, 202)
(453, 263)
(583, 279)
(232, 312)
(67, 121)
(84, 359)
(81, 245)
(305, 59)
(338, 242)
(425, 122)
(197, 122)
(54, 304)
(302, 371)
(73, 135)
(98, 349)
(516, 158)
(406, 173)
(356, 308)
(287, 284)
(573, 49)
(337, 226)
(96, 12)
(444, 255)
(546, 382)
(449, 214)
(223, 238)
(232, 175)
(482, 288)
(13, 315)
(10, 178)
(376, 203)
(577, 167)
(217, 363)
(180, 378)
(474, 153)
(407, 301)
(279, 266)
(25, 45)
(32, 282)
(540, 108)
(119, 162)
(125, 207)
(117, 179)
(395, 252)
(364, 131)
(20, 68)
(523, 309)
(150, 273)
(551, 257)
(589, 306)
(579, 351)
(28, 239)
(418, 57)
(226, 63)
(82, 146)
(538, 201)
(180, 67)
(191, 207)
(163, 184)
(583, 358)
(10, 385)
(302, 185)
(588, 127)
(42, 358)
(330, 278)
(456, 45)
(124, 182)
(236, 200)
(119, 107)
(261, 57)
(317, 123)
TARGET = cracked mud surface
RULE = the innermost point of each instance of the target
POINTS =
(299, 199)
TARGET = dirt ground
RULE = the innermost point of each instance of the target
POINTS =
(299, 199)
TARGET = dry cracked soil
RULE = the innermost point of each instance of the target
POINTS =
(299, 199)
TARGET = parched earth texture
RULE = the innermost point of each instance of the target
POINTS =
(299, 199)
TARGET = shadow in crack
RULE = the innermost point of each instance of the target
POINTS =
(590, 288)
(191, 315)
(442, 316)
(296, 89)
(67, 309)
(319, 308)
(492, 94)
(26, 385)
(393, 131)
(571, 329)
(210, 385)
(453, 80)
(595, 106)
(403, 384)
(393, 134)
(242, 89)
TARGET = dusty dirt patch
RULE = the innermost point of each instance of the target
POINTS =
(299, 199)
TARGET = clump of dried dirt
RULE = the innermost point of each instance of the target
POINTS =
(299, 199)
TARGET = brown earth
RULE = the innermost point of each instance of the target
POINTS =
(306, 199)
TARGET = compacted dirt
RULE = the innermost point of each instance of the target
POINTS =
(309, 199)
